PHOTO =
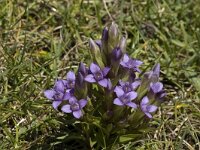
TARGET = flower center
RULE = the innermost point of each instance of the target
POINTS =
(125, 99)
(126, 88)
(58, 96)
(98, 76)
(71, 84)
(75, 106)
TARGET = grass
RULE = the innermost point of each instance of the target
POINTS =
(41, 40)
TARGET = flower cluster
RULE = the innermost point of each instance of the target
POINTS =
(111, 97)
(116, 72)
(117, 78)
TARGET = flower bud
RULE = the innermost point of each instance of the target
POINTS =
(113, 37)
(116, 54)
(96, 54)
(82, 69)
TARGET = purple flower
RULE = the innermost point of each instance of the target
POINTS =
(75, 107)
(131, 64)
(58, 93)
(98, 75)
(128, 86)
(146, 108)
(70, 81)
(124, 98)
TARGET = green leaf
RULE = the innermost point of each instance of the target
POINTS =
(128, 137)
(178, 43)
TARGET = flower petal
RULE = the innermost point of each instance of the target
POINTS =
(67, 96)
(56, 104)
(151, 108)
(117, 101)
(94, 68)
(77, 114)
(137, 62)
(103, 82)
(72, 100)
(121, 83)
(135, 84)
(119, 91)
(145, 101)
(49, 94)
(156, 87)
(90, 78)
(156, 69)
(82, 103)
(105, 71)
(131, 104)
(59, 86)
(126, 58)
(71, 76)
(66, 109)
(132, 95)
(123, 64)
(148, 115)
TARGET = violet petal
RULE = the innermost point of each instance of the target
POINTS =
(119, 91)
(77, 114)
(55, 104)
(117, 101)
(49, 94)
(105, 71)
(66, 109)
(131, 104)
(90, 78)
(82, 103)
(71, 76)
(94, 68)
(103, 82)
(152, 108)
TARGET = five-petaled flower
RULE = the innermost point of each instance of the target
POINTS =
(58, 93)
(146, 107)
(98, 75)
(75, 107)
(124, 98)
(131, 64)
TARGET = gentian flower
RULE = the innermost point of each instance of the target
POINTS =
(128, 86)
(124, 98)
(58, 93)
(146, 108)
(75, 107)
(131, 64)
(98, 75)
